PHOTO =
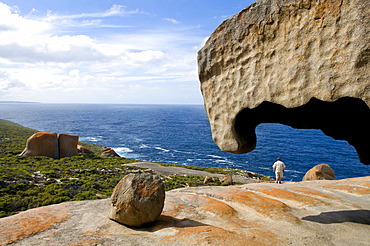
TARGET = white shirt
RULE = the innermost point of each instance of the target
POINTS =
(279, 166)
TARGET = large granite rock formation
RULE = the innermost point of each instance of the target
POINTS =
(325, 212)
(302, 63)
(42, 144)
(320, 172)
(51, 145)
(67, 145)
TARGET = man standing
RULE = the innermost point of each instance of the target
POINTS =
(279, 168)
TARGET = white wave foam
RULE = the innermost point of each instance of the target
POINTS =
(159, 148)
(123, 150)
(265, 168)
(90, 139)
(293, 171)
(224, 161)
(215, 156)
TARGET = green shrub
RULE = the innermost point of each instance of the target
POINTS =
(30, 182)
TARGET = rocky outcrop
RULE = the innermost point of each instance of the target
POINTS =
(137, 199)
(83, 150)
(227, 179)
(108, 152)
(325, 212)
(320, 172)
(302, 63)
(67, 145)
(51, 145)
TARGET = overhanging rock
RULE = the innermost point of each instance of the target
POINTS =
(303, 63)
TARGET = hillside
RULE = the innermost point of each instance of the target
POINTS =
(31, 182)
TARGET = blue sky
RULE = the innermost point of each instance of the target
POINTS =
(93, 51)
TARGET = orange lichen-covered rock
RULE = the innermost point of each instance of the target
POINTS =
(42, 144)
(51, 145)
(252, 214)
(67, 145)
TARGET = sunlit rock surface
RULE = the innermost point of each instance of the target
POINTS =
(303, 63)
(137, 199)
(51, 144)
(320, 172)
(324, 212)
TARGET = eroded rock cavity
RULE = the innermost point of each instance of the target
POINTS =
(302, 63)
(345, 119)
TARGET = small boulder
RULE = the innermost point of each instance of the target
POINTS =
(83, 150)
(107, 152)
(208, 179)
(228, 179)
(137, 199)
(320, 172)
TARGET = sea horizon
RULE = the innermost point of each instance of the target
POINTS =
(180, 134)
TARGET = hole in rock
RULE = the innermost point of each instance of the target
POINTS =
(345, 119)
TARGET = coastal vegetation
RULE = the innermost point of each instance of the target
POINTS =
(30, 182)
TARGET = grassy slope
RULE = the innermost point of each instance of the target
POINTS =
(29, 182)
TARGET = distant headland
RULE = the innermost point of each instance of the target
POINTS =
(16, 102)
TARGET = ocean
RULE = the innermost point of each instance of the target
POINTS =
(180, 134)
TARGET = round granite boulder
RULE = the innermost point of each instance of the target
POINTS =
(137, 199)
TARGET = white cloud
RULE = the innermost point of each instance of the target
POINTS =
(11, 21)
(7, 83)
(147, 55)
(115, 10)
(38, 64)
(173, 21)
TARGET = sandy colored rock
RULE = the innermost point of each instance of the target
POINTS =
(137, 199)
(83, 149)
(227, 179)
(42, 144)
(320, 172)
(108, 152)
(322, 212)
(67, 145)
(51, 144)
(303, 63)
(208, 179)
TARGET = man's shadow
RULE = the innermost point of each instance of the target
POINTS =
(354, 216)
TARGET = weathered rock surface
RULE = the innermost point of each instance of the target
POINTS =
(67, 145)
(108, 152)
(302, 63)
(319, 172)
(208, 179)
(137, 199)
(83, 149)
(51, 145)
(325, 212)
(42, 144)
(227, 179)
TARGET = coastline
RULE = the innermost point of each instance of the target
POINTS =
(31, 182)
